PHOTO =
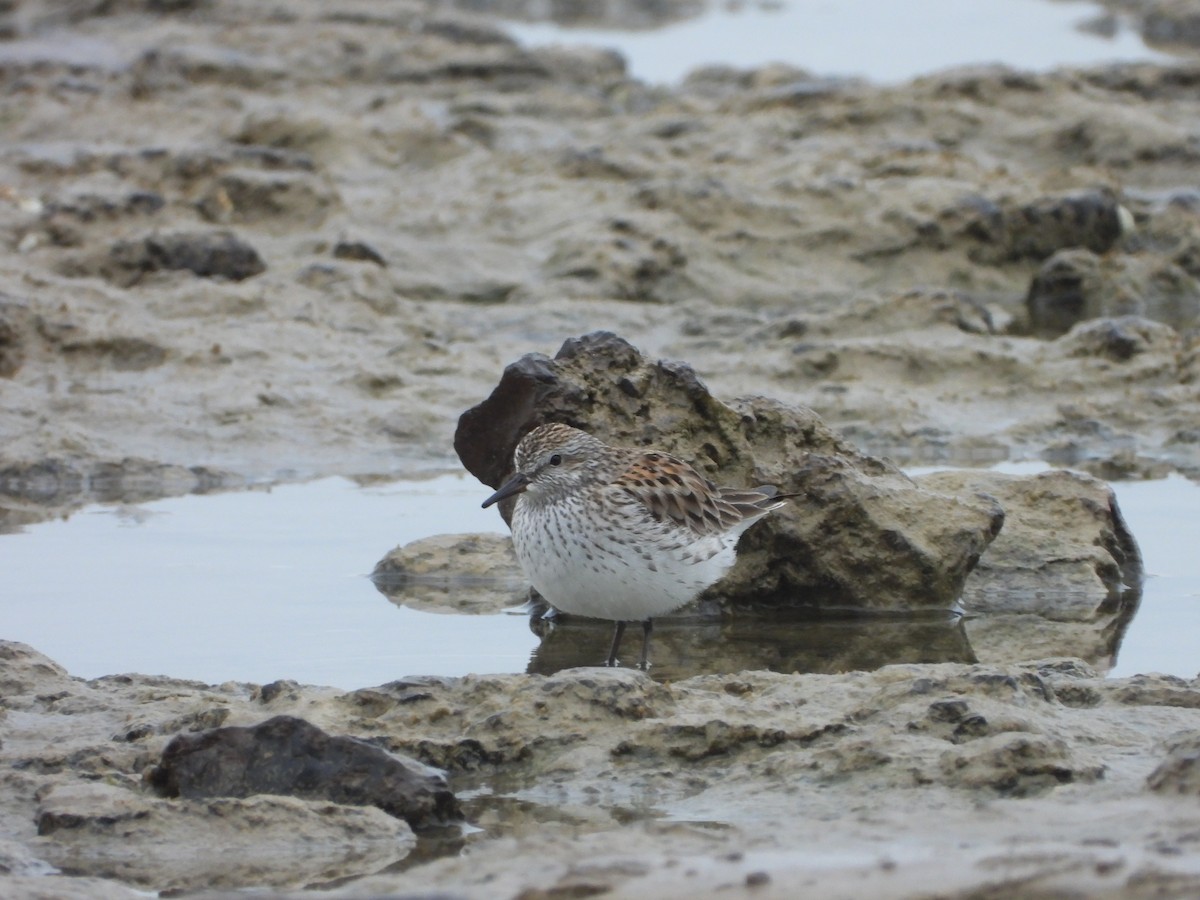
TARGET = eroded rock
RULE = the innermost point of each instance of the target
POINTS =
(865, 535)
(1093, 220)
(280, 200)
(14, 333)
(1063, 577)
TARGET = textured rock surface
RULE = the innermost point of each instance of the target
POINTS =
(309, 260)
(613, 782)
(812, 553)
(1064, 576)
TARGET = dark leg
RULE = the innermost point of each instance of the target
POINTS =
(618, 633)
(644, 662)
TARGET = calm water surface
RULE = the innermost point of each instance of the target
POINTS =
(267, 584)
(882, 40)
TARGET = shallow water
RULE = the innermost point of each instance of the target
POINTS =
(881, 40)
(268, 584)
(250, 586)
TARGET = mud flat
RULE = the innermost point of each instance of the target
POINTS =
(244, 245)
(259, 243)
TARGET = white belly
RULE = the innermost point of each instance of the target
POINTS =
(588, 566)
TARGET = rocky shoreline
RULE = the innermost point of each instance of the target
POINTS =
(917, 780)
(249, 244)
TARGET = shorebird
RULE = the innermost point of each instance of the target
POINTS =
(621, 533)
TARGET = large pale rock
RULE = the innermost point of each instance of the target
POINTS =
(860, 534)
(460, 573)
(1064, 576)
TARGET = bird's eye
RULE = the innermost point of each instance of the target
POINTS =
(556, 460)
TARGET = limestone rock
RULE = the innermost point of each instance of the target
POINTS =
(1063, 578)
(471, 573)
(24, 671)
(861, 534)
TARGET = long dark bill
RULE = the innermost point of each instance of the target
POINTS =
(514, 485)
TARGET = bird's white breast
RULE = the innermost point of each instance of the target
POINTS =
(614, 562)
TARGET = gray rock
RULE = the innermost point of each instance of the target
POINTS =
(286, 755)
(861, 534)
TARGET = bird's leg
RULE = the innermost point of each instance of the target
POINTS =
(618, 633)
(644, 662)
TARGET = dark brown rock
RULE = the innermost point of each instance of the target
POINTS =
(286, 755)
(14, 329)
(1076, 285)
(1035, 230)
(217, 254)
(359, 251)
(860, 534)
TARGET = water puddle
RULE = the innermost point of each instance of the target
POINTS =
(881, 40)
(272, 584)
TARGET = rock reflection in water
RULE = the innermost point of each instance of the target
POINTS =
(999, 627)
(779, 641)
(1019, 626)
